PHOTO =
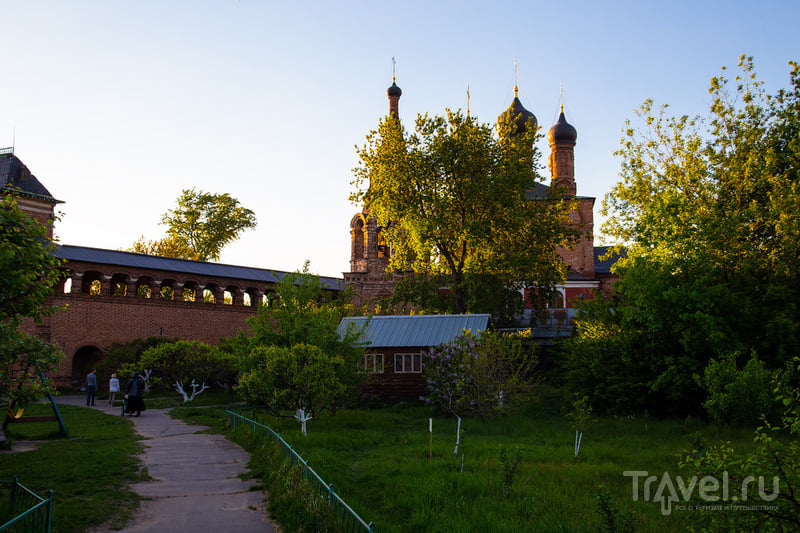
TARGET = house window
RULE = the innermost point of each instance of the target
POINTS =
(407, 362)
(372, 363)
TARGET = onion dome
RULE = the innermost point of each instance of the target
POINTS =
(394, 90)
(562, 132)
(519, 113)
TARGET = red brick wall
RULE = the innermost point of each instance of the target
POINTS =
(100, 321)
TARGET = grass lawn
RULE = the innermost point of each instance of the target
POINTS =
(379, 462)
(88, 471)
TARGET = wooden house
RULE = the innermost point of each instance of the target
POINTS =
(396, 343)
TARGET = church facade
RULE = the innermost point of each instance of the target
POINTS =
(587, 270)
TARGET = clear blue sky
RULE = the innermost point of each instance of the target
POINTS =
(117, 106)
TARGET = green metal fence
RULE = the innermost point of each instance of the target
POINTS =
(351, 519)
(23, 509)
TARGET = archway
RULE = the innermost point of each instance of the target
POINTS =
(84, 359)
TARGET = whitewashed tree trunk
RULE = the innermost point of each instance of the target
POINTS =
(458, 435)
(186, 398)
(147, 379)
(302, 417)
(578, 438)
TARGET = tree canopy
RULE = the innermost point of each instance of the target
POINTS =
(199, 227)
(451, 200)
(708, 208)
(293, 356)
(29, 267)
(28, 262)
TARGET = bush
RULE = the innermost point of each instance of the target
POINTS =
(739, 397)
(479, 375)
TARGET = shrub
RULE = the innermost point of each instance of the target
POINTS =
(736, 396)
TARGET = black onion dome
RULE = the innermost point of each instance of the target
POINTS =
(394, 90)
(520, 115)
(562, 132)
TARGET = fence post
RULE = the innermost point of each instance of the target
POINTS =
(49, 508)
(14, 492)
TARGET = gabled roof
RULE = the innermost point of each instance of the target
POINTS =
(414, 330)
(186, 266)
(603, 266)
(15, 176)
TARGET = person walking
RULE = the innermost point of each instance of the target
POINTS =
(91, 387)
(113, 389)
(134, 393)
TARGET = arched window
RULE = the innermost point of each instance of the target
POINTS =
(143, 289)
(119, 285)
(556, 300)
(189, 291)
(357, 236)
(167, 291)
(91, 283)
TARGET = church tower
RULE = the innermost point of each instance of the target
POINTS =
(562, 138)
(369, 251)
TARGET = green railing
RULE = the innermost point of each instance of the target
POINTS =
(352, 521)
(24, 510)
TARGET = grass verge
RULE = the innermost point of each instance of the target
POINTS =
(383, 466)
(89, 472)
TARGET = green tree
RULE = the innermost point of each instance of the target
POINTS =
(451, 200)
(166, 247)
(293, 356)
(767, 477)
(303, 378)
(481, 375)
(28, 261)
(707, 207)
(199, 227)
(184, 364)
(30, 270)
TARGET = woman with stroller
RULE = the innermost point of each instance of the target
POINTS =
(134, 392)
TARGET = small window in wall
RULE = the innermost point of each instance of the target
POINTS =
(372, 363)
(68, 286)
(407, 362)
(227, 298)
(167, 293)
(143, 291)
(208, 296)
(246, 299)
(187, 294)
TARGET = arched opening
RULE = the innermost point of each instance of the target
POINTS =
(357, 237)
(231, 295)
(189, 291)
(64, 285)
(250, 297)
(119, 285)
(212, 293)
(167, 291)
(143, 287)
(383, 248)
(84, 360)
(92, 284)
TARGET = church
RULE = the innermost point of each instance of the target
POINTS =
(587, 269)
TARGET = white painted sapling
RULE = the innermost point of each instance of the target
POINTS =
(580, 415)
